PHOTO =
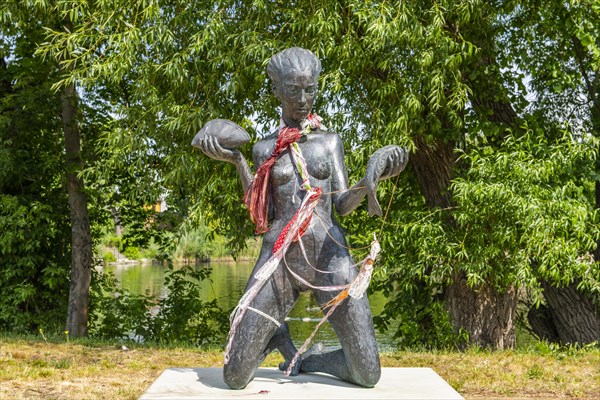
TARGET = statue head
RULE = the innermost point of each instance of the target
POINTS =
(294, 74)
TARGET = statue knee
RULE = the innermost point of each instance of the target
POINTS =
(369, 378)
(368, 373)
(234, 377)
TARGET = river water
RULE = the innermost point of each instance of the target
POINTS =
(226, 285)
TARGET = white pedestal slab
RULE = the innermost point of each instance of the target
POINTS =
(270, 384)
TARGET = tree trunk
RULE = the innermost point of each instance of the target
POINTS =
(487, 315)
(81, 259)
(433, 165)
(542, 323)
(573, 315)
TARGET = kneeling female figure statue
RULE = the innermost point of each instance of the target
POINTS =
(301, 178)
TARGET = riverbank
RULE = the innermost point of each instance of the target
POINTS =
(35, 369)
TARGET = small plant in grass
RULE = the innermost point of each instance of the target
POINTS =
(43, 336)
(535, 372)
(63, 363)
(560, 351)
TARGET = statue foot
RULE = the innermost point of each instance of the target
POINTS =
(283, 366)
(317, 348)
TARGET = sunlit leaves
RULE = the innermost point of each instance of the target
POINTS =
(523, 214)
(392, 71)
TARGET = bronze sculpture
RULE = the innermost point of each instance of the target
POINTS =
(298, 161)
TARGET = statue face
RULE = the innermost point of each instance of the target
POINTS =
(297, 92)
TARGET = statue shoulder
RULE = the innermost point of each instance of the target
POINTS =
(329, 139)
(264, 147)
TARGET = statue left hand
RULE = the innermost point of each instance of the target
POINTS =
(385, 163)
(396, 159)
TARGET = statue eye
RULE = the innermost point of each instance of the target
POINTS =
(293, 90)
(311, 90)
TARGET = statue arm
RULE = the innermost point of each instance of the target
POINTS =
(351, 198)
(345, 200)
(244, 171)
(213, 149)
(392, 158)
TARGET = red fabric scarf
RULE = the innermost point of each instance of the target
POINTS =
(256, 198)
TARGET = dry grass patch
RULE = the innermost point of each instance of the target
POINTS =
(39, 370)
(34, 370)
(510, 375)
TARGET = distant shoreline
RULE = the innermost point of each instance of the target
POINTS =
(180, 261)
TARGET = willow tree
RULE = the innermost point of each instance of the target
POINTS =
(23, 26)
(420, 74)
(558, 45)
(34, 257)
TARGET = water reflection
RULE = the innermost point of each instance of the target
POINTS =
(226, 285)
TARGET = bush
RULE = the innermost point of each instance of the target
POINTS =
(34, 265)
(112, 240)
(179, 317)
(152, 252)
(108, 257)
(194, 245)
(132, 253)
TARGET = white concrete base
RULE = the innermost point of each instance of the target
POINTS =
(270, 383)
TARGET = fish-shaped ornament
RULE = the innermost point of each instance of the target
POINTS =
(228, 134)
(375, 168)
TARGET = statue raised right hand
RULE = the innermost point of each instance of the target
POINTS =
(218, 140)
(211, 147)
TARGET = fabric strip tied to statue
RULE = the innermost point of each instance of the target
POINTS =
(256, 200)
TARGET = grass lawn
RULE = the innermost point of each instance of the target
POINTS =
(30, 368)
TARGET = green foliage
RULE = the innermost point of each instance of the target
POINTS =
(561, 351)
(33, 266)
(132, 253)
(114, 313)
(112, 240)
(527, 214)
(557, 44)
(194, 244)
(179, 317)
(481, 76)
(34, 248)
(182, 316)
(385, 65)
(36, 256)
(523, 212)
(421, 321)
(108, 257)
(152, 252)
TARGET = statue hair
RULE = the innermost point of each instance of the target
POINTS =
(293, 58)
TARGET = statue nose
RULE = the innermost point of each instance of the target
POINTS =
(302, 97)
